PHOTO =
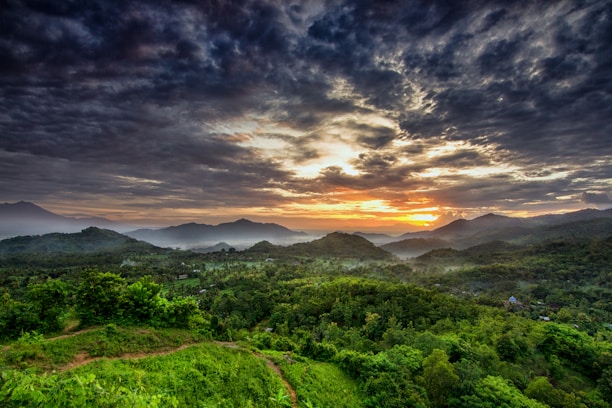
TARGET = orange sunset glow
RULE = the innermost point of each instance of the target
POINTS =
(316, 115)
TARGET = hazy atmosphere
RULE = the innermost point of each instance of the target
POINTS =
(360, 114)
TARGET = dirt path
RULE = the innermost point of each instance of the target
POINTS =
(278, 371)
(71, 334)
(62, 336)
(82, 359)
(271, 364)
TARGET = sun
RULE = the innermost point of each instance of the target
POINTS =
(422, 220)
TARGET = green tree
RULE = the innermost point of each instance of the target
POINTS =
(354, 363)
(386, 390)
(510, 346)
(399, 358)
(49, 301)
(181, 312)
(493, 391)
(16, 317)
(572, 347)
(142, 300)
(469, 373)
(439, 378)
(604, 384)
(99, 298)
(542, 390)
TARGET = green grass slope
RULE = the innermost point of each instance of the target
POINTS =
(206, 374)
(140, 367)
(143, 367)
(321, 384)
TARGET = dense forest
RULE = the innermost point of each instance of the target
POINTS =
(496, 325)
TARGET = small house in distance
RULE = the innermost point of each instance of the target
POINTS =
(513, 303)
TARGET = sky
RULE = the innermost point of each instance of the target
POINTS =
(354, 115)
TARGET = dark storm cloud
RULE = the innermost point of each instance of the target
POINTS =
(525, 105)
(144, 98)
(596, 198)
(459, 159)
(373, 137)
(132, 85)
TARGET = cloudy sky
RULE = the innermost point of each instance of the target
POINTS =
(378, 114)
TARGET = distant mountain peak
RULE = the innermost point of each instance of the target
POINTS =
(333, 245)
(244, 221)
(457, 221)
(494, 217)
(25, 207)
(23, 204)
(339, 234)
(263, 246)
(238, 232)
(26, 218)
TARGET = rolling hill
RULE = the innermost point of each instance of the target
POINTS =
(377, 239)
(335, 245)
(411, 247)
(25, 218)
(461, 234)
(89, 240)
(240, 234)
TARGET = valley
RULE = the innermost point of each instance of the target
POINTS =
(98, 318)
(305, 204)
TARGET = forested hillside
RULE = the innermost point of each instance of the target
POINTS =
(89, 240)
(336, 245)
(493, 325)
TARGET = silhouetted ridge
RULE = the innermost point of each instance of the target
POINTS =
(264, 247)
(461, 234)
(91, 239)
(26, 210)
(25, 218)
(192, 234)
(414, 246)
(334, 245)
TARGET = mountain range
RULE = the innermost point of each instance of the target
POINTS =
(25, 218)
(462, 234)
(240, 234)
(95, 240)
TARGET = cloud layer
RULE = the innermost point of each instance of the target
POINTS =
(369, 110)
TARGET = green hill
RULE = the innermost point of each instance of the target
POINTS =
(319, 333)
(89, 240)
(596, 228)
(335, 245)
(116, 366)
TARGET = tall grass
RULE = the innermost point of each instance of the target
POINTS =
(108, 341)
(320, 384)
(200, 375)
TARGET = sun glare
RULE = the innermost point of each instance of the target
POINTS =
(350, 206)
(422, 220)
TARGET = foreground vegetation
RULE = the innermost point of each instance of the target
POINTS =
(205, 373)
(437, 331)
